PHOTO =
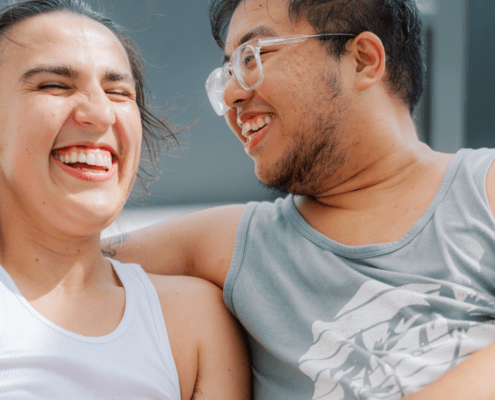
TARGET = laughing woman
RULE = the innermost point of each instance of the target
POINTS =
(74, 324)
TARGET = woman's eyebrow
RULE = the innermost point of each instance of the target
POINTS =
(110, 76)
(115, 76)
(52, 69)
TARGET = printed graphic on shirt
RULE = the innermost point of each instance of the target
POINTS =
(388, 342)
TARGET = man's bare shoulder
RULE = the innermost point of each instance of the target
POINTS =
(490, 187)
(231, 211)
(209, 219)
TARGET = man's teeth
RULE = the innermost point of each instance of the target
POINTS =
(90, 157)
(255, 126)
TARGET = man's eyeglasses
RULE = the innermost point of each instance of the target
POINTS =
(246, 67)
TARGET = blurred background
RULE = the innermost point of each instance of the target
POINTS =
(210, 168)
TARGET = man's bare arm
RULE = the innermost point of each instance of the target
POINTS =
(112, 244)
(490, 187)
(198, 244)
(471, 380)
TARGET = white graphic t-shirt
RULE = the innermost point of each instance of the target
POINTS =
(328, 321)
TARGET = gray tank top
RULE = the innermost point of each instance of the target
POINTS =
(330, 321)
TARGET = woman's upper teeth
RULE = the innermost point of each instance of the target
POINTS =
(255, 125)
(97, 157)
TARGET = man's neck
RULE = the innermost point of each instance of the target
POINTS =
(381, 202)
(382, 152)
(388, 173)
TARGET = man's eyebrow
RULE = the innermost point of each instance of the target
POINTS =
(52, 69)
(260, 31)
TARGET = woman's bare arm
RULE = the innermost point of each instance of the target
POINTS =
(208, 348)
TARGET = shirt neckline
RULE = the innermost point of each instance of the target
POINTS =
(373, 250)
(117, 332)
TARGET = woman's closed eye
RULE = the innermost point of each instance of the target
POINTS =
(120, 94)
(52, 85)
(60, 88)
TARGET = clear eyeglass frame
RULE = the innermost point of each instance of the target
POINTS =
(218, 79)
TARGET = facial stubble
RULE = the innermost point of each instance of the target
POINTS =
(315, 154)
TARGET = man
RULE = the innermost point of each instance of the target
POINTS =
(374, 277)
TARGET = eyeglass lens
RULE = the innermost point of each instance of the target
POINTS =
(215, 86)
(247, 68)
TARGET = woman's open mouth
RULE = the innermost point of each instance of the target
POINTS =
(91, 164)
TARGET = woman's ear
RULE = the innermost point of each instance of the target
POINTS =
(369, 54)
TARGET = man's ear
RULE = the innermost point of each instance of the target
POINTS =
(369, 54)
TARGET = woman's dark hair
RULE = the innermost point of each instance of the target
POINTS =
(155, 129)
(396, 22)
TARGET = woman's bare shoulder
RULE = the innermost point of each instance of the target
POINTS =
(206, 341)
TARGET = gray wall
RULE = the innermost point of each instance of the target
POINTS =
(174, 38)
(448, 76)
(480, 105)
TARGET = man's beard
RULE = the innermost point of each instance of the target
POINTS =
(315, 154)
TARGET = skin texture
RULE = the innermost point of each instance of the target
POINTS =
(67, 81)
(37, 120)
(305, 139)
(373, 181)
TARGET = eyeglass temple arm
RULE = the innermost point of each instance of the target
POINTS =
(289, 39)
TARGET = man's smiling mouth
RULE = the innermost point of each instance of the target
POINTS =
(249, 129)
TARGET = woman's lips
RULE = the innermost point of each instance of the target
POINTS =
(87, 172)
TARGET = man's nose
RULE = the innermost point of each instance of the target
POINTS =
(234, 94)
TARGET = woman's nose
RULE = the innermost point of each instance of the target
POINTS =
(95, 109)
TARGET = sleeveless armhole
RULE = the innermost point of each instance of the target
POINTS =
(481, 168)
(237, 255)
(157, 313)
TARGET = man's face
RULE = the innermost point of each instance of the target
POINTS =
(70, 132)
(301, 98)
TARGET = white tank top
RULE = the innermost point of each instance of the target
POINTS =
(40, 360)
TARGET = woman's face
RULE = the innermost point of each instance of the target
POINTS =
(70, 128)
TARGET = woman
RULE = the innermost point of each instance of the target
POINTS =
(72, 323)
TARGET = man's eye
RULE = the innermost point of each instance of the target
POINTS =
(248, 59)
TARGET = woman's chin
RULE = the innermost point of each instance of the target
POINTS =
(82, 221)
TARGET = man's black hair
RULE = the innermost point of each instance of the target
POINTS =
(155, 129)
(396, 22)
